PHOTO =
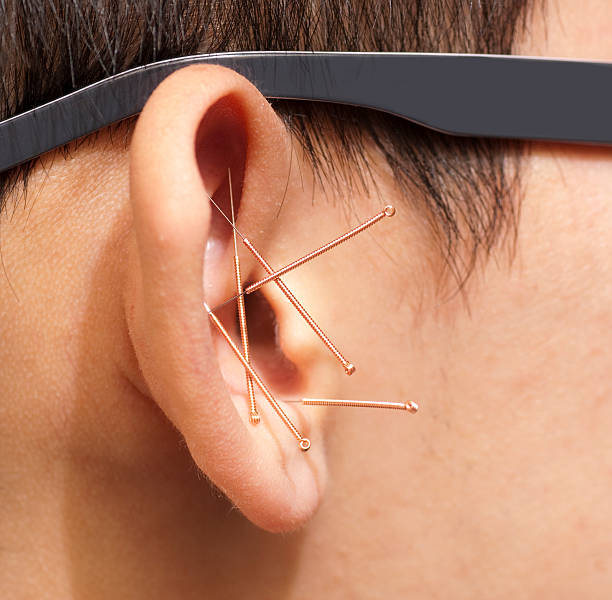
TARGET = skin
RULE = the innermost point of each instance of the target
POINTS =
(116, 397)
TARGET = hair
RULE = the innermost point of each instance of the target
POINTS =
(467, 188)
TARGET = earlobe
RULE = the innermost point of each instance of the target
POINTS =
(199, 122)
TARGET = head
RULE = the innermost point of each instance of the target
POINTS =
(125, 441)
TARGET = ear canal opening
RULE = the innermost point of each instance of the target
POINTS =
(266, 350)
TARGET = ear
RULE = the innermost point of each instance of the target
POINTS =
(199, 122)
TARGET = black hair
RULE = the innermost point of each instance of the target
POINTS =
(466, 188)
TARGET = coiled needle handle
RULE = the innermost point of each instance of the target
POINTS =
(410, 406)
(388, 211)
(304, 442)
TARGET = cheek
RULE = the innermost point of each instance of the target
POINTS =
(64, 343)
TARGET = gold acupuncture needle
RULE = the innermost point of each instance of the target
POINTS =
(304, 442)
(349, 368)
(253, 414)
(388, 211)
(409, 406)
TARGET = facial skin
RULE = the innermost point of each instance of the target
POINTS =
(116, 395)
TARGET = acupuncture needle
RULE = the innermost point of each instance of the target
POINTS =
(388, 211)
(254, 417)
(349, 368)
(410, 406)
(304, 442)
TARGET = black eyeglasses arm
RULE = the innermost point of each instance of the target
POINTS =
(459, 94)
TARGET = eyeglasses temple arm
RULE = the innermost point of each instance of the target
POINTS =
(459, 94)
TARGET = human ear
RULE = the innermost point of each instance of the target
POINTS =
(200, 122)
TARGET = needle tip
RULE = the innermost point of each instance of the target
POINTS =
(412, 406)
(305, 444)
(229, 176)
(349, 368)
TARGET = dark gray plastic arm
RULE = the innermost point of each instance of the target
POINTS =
(459, 94)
